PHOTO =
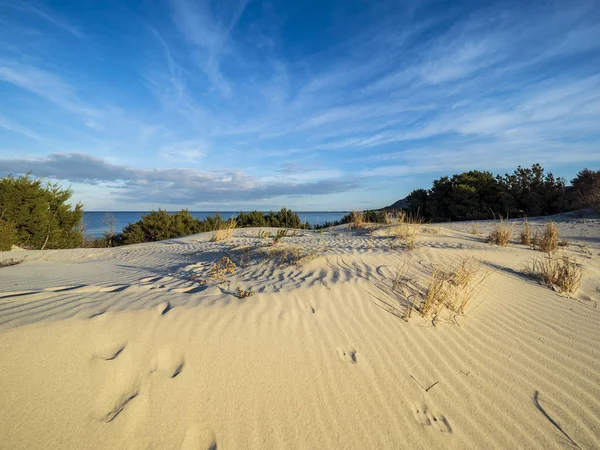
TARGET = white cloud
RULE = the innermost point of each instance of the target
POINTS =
(191, 151)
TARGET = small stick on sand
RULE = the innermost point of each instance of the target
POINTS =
(423, 387)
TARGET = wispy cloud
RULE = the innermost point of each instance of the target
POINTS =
(16, 128)
(209, 35)
(45, 84)
(44, 14)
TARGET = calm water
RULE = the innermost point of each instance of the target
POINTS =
(95, 227)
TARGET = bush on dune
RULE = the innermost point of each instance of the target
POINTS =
(251, 219)
(160, 225)
(8, 235)
(39, 213)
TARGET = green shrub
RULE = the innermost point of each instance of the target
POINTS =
(160, 225)
(251, 219)
(8, 235)
(40, 213)
(284, 218)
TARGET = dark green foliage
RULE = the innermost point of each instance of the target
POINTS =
(466, 196)
(160, 225)
(8, 235)
(529, 192)
(418, 203)
(477, 195)
(586, 189)
(251, 219)
(284, 218)
(40, 213)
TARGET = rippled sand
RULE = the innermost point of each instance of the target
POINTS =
(131, 348)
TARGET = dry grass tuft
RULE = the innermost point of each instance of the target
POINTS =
(221, 269)
(526, 233)
(357, 220)
(561, 273)
(501, 234)
(452, 288)
(241, 293)
(407, 228)
(224, 230)
(290, 255)
(547, 240)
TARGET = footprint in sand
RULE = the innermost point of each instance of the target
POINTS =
(199, 437)
(115, 288)
(110, 351)
(163, 308)
(430, 418)
(348, 355)
(168, 362)
(112, 401)
(122, 388)
(150, 279)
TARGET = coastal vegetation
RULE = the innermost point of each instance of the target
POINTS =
(476, 195)
(160, 225)
(479, 195)
(37, 215)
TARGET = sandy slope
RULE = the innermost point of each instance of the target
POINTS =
(120, 348)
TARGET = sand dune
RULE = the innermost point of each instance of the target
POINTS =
(137, 347)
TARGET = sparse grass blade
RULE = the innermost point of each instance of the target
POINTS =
(223, 230)
(526, 233)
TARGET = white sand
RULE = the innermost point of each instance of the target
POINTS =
(118, 348)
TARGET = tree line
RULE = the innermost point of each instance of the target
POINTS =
(529, 192)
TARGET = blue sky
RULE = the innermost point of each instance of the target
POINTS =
(313, 105)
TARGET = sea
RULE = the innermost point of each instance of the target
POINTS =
(95, 226)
